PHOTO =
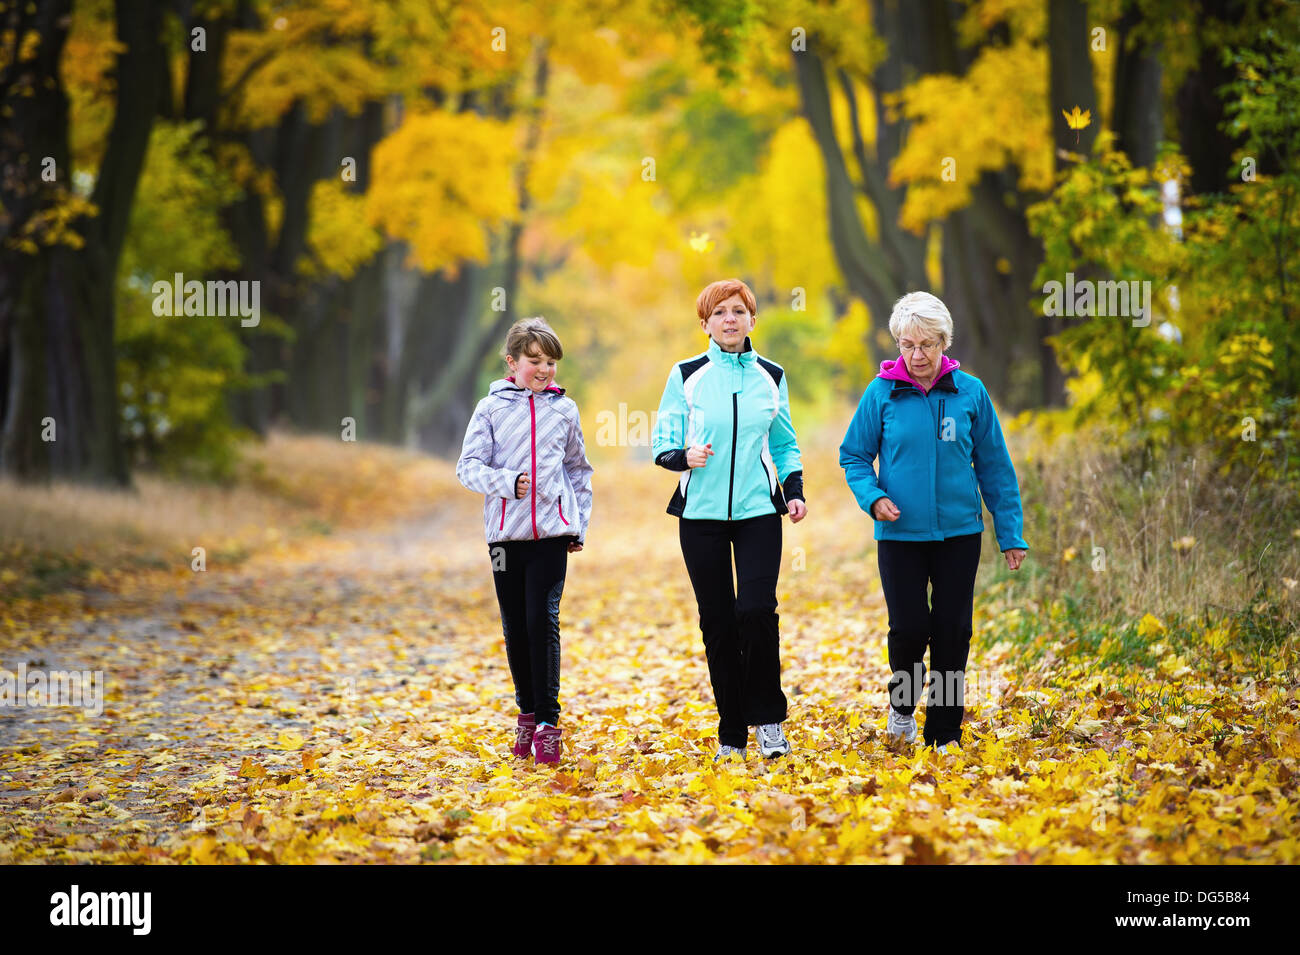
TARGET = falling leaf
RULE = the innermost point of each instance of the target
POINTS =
(701, 242)
(1077, 119)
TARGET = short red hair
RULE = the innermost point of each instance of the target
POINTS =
(716, 292)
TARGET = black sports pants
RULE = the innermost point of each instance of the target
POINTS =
(943, 623)
(529, 579)
(739, 624)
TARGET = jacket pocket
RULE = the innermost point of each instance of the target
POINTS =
(559, 502)
(503, 515)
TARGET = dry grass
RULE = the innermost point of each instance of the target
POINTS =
(1181, 539)
(67, 535)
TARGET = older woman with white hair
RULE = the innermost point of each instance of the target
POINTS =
(940, 447)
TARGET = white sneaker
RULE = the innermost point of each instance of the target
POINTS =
(899, 728)
(771, 741)
(949, 748)
(729, 751)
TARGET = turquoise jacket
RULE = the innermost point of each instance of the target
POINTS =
(740, 402)
(938, 451)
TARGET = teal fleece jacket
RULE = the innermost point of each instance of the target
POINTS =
(938, 452)
(740, 402)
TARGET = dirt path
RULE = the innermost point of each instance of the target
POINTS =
(350, 700)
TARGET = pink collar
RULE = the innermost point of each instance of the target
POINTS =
(559, 391)
(895, 369)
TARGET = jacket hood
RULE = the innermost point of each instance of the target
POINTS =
(506, 388)
(895, 369)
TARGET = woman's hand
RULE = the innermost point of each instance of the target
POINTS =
(798, 509)
(884, 510)
(521, 485)
(574, 547)
(1014, 557)
(698, 456)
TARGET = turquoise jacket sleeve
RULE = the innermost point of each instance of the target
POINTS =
(858, 452)
(781, 442)
(997, 477)
(670, 422)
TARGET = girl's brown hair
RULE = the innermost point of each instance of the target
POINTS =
(717, 292)
(531, 336)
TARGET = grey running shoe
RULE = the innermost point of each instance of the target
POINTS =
(899, 728)
(771, 741)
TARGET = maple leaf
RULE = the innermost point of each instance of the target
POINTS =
(701, 242)
(1077, 119)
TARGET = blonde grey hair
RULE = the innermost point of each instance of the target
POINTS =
(532, 336)
(924, 312)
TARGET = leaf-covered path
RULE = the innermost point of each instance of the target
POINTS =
(349, 700)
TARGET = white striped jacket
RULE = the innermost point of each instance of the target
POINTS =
(514, 431)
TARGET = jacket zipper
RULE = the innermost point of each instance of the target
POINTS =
(731, 483)
(532, 414)
(503, 514)
(935, 490)
(560, 502)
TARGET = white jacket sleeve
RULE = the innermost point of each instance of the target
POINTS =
(579, 471)
(474, 469)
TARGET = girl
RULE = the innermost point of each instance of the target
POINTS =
(724, 422)
(524, 453)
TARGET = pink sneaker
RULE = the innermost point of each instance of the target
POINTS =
(524, 730)
(546, 744)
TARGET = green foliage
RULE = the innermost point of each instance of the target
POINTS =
(795, 339)
(1218, 362)
(712, 148)
(1261, 220)
(176, 373)
(1102, 224)
(723, 25)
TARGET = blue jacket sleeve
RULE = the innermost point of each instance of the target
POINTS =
(996, 475)
(669, 444)
(784, 447)
(858, 453)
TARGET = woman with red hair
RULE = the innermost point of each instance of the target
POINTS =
(724, 424)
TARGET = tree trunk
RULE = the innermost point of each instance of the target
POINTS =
(1200, 110)
(988, 256)
(1136, 117)
(57, 303)
(1070, 85)
(440, 408)
(337, 321)
(860, 261)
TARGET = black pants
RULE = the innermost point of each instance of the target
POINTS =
(944, 623)
(529, 577)
(739, 624)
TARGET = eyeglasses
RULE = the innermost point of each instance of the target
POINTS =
(906, 347)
